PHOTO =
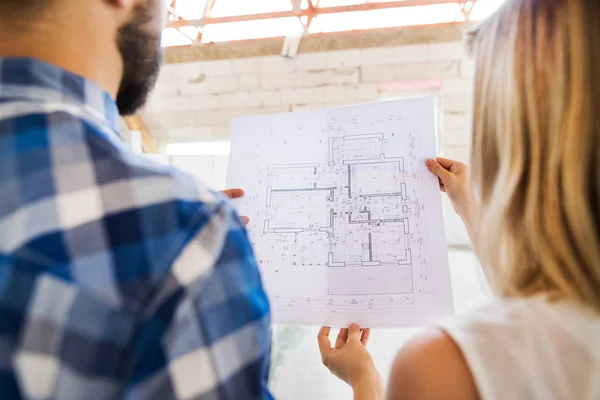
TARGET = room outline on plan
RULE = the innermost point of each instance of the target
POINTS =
(351, 212)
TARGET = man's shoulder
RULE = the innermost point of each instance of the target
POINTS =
(78, 152)
(94, 156)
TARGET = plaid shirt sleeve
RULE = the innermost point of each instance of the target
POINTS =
(207, 334)
(119, 278)
(134, 282)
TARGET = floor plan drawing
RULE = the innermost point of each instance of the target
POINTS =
(339, 217)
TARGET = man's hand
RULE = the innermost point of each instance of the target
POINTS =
(454, 181)
(350, 361)
(236, 194)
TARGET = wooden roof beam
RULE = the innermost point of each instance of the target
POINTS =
(135, 123)
(315, 11)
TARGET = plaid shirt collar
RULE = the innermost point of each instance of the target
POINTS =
(32, 79)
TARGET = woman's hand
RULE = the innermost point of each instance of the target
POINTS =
(454, 181)
(350, 361)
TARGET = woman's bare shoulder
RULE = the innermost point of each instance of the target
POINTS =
(431, 366)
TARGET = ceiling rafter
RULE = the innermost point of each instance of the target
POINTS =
(314, 11)
(306, 11)
(466, 9)
(174, 17)
(208, 8)
(304, 16)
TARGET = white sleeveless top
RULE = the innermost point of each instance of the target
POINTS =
(531, 349)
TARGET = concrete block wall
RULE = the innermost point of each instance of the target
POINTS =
(196, 101)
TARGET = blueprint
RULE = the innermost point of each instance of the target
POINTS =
(345, 219)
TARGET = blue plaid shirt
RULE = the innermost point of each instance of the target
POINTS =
(119, 278)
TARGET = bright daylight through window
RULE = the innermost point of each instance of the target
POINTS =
(199, 148)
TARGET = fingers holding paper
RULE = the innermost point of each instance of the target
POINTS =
(236, 194)
(454, 181)
(349, 358)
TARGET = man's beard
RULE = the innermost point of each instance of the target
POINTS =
(139, 46)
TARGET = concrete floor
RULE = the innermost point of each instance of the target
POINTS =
(297, 372)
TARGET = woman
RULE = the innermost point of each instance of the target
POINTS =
(532, 205)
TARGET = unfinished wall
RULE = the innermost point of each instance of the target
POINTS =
(196, 100)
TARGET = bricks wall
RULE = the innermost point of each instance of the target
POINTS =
(196, 101)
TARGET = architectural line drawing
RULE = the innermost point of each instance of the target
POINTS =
(339, 217)
(354, 207)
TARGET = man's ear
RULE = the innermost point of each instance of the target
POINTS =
(121, 9)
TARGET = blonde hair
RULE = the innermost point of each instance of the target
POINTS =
(536, 148)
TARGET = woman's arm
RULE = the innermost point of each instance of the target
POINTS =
(350, 361)
(371, 389)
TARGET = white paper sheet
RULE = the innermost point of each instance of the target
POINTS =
(345, 219)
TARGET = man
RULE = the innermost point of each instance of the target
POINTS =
(119, 278)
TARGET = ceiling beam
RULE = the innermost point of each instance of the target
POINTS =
(210, 4)
(208, 8)
(312, 13)
(466, 9)
(384, 37)
(308, 12)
